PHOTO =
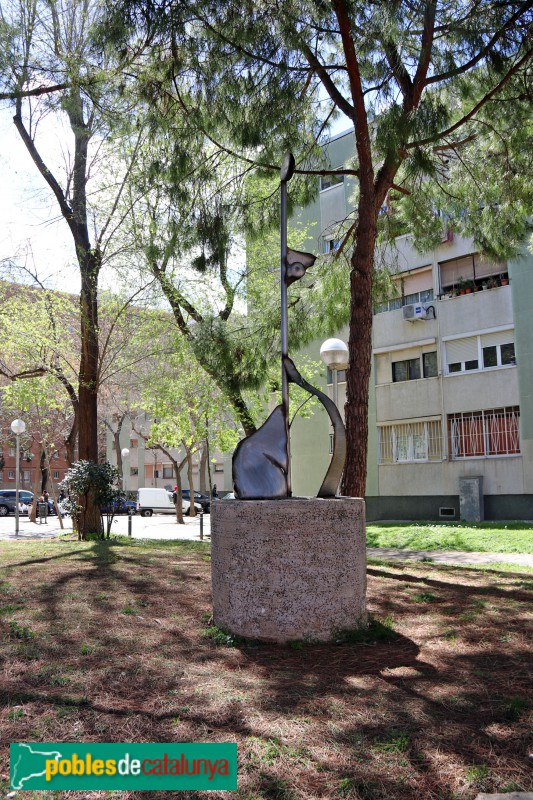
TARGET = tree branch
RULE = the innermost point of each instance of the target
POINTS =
(40, 90)
(477, 107)
(336, 96)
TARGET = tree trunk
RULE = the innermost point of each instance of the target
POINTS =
(90, 519)
(44, 471)
(203, 466)
(179, 495)
(360, 354)
(192, 510)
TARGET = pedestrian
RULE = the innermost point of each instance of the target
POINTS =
(214, 493)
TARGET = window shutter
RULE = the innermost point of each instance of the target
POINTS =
(458, 350)
(419, 281)
(451, 271)
(499, 337)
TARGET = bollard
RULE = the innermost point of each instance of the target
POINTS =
(201, 525)
(129, 522)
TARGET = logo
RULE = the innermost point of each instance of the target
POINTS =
(62, 765)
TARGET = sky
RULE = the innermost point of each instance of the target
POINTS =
(32, 230)
(30, 225)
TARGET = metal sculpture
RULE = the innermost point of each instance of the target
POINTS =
(261, 462)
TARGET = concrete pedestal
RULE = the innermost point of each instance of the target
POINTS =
(288, 569)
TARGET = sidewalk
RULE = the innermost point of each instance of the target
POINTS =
(165, 527)
(450, 556)
(156, 527)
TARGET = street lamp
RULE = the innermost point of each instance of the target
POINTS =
(125, 455)
(334, 354)
(18, 426)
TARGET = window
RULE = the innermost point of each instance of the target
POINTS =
(11, 475)
(11, 451)
(485, 351)
(330, 245)
(219, 467)
(327, 181)
(429, 361)
(410, 442)
(167, 471)
(409, 370)
(481, 273)
(56, 475)
(26, 475)
(481, 434)
(498, 355)
(418, 297)
(134, 470)
(1, 475)
(406, 370)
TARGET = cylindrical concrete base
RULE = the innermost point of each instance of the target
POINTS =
(288, 569)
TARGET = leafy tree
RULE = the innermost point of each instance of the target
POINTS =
(87, 478)
(51, 68)
(186, 409)
(422, 83)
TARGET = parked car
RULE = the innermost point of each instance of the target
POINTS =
(8, 499)
(119, 507)
(201, 499)
(159, 501)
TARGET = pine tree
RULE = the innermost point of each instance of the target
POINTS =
(419, 81)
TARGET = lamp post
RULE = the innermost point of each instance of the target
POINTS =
(18, 426)
(125, 455)
(334, 354)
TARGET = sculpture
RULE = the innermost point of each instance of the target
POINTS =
(261, 462)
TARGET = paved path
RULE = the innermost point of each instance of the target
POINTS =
(165, 527)
(450, 556)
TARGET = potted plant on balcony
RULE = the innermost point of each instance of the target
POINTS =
(469, 287)
(492, 283)
(461, 285)
(504, 279)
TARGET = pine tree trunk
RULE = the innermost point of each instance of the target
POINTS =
(360, 351)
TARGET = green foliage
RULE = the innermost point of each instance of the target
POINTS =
(18, 631)
(377, 630)
(221, 637)
(393, 742)
(86, 481)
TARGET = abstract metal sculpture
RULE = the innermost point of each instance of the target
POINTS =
(261, 462)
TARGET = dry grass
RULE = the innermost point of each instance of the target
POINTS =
(107, 642)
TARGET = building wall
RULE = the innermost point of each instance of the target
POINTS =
(150, 467)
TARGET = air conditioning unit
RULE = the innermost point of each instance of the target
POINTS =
(415, 312)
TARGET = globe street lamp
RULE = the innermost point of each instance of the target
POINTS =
(18, 427)
(334, 354)
(125, 455)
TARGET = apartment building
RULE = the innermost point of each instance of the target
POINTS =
(150, 467)
(451, 396)
(30, 472)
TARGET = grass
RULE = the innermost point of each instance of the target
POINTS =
(485, 537)
(427, 702)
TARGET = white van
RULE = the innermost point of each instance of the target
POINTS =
(159, 501)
